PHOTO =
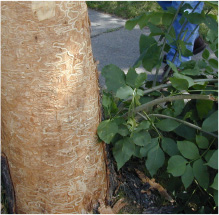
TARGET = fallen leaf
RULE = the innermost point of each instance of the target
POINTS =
(146, 191)
(119, 205)
(154, 185)
(103, 209)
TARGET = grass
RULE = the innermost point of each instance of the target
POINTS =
(131, 9)
(124, 9)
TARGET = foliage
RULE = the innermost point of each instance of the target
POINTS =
(172, 127)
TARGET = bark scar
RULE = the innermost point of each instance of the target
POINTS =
(43, 9)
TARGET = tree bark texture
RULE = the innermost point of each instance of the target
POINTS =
(50, 107)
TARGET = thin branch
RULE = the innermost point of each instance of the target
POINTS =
(168, 85)
(185, 123)
(169, 68)
(146, 107)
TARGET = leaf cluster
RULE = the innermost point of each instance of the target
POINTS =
(171, 127)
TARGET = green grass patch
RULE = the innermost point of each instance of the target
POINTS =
(124, 9)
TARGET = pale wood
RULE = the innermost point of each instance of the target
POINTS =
(50, 107)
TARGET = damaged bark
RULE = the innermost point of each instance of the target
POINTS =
(50, 108)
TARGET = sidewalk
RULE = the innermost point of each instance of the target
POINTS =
(113, 44)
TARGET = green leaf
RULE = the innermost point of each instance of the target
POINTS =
(123, 150)
(106, 101)
(188, 149)
(211, 23)
(192, 72)
(143, 20)
(137, 152)
(123, 130)
(140, 79)
(145, 42)
(155, 17)
(200, 172)
(141, 138)
(173, 66)
(151, 57)
(185, 7)
(203, 107)
(169, 38)
(172, 32)
(213, 63)
(168, 112)
(178, 106)
(201, 64)
(213, 162)
(190, 80)
(215, 183)
(144, 150)
(211, 123)
(130, 24)
(167, 18)
(186, 132)
(131, 77)
(109, 104)
(124, 92)
(208, 155)
(177, 165)
(188, 64)
(144, 125)
(155, 160)
(187, 177)
(185, 52)
(140, 92)
(202, 142)
(179, 84)
(167, 124)
(169, 146)
(107, 130)
(205, 54)
(114, 77)
(195, 18)
(211, 36)
(118, 120)
(154, 30)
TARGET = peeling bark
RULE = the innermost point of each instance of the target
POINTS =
(50, 107)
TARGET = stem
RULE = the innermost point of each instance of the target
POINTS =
(201, 189)
(148, 118)
(185, 123)
(149, 105)
(145, 92)
(167, 85)
(169, 68)
(207, 149)
(164, 43)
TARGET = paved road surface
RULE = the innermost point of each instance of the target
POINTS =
(113, 44)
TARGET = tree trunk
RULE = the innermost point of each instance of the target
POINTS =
(50, 108)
